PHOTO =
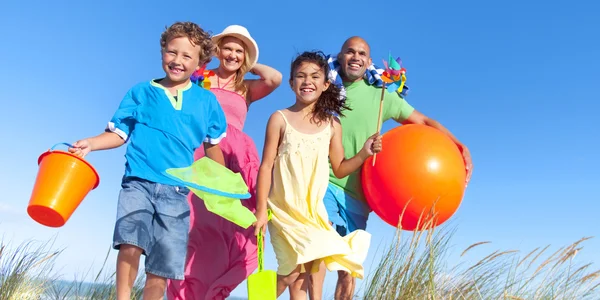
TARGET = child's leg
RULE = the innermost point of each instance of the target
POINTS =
(345, 285)
(168, 250)
(155, 287)
(132, 235)
(128, 261)
(315, 284)
(284, 281)
(299, 288)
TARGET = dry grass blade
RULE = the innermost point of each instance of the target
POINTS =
(473, 246)
(527, 256)
(578, 271)
(591, 276)
(537, 256)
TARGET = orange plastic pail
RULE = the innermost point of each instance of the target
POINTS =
(62, 182)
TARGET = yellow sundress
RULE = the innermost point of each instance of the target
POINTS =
(300, 231)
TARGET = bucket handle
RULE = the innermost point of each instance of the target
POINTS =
(63, 144)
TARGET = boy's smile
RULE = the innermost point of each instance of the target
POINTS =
(174, 69)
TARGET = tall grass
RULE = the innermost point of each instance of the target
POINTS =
(26, 272)
(416, 268)
(413, 268)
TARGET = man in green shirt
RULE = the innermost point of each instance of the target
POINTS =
(344, 199)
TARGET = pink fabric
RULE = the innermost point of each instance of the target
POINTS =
(221, 254)
(234, 106)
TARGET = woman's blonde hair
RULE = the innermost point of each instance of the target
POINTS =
(238, 83)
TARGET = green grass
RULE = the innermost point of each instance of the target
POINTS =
(27, 272)
(24, 270)
(415, 268)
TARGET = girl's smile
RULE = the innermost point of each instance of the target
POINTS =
(309, 82)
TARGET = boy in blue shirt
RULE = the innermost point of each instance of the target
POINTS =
(164, 120)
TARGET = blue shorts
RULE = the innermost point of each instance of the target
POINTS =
(346, 213)
(156, 218)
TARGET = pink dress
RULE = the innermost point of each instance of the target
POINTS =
(221, 254)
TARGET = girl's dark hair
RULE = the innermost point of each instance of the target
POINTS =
(331, 102)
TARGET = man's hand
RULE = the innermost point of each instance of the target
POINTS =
(468, 162)
(418, 118)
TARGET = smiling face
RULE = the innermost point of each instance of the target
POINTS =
(354, 59)
(180, 58)
(308, 82)
(231, 53)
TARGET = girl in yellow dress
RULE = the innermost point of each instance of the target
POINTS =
(300, 143)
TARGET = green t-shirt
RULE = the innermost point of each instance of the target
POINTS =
(360, 123)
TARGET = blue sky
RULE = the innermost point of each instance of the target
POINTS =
(515, 81)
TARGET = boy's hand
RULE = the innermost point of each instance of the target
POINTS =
(81, 148)
(261, 221)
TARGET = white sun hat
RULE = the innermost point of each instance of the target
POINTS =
(241, 33)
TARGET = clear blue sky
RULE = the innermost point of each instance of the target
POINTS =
(516, 81)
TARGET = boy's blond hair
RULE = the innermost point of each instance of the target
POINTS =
(196, 35)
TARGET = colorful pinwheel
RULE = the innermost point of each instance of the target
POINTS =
(200, 77)
(394, 75)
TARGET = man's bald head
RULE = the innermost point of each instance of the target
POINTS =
(356, 39)
(354, 58)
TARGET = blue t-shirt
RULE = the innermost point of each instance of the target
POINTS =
(164, 131)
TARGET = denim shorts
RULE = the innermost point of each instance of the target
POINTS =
(154, 217)
(346, 213)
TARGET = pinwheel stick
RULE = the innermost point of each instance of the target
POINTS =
(379, 118)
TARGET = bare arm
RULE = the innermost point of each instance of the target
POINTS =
(214, 152)
(104, 141)
(340, 165)
(265, 172)
(269, 80)
(419, 118)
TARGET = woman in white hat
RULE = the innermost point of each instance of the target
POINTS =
(221, 254)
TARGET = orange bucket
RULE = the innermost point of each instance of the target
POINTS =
(62, 182)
